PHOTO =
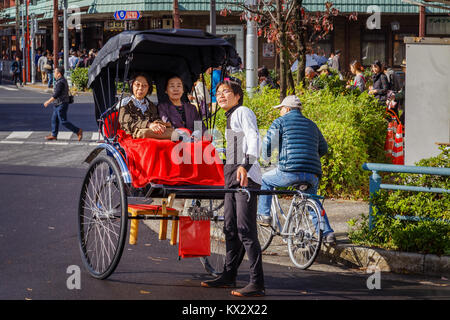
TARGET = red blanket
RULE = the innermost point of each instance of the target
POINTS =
(171, 163)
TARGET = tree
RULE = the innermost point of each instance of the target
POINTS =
(291, 28)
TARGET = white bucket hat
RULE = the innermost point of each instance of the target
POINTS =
(290, 102)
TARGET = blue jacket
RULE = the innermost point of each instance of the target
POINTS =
(301, 144)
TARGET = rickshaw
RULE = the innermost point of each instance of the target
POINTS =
(104, 209)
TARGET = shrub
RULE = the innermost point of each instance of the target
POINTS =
(352, 124)
(80, 78)
(429, 233)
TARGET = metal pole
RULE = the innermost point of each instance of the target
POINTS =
(66, 42)
(33, 64)
(22, 45)
(212, 17)
(27, 42)
(251, 61)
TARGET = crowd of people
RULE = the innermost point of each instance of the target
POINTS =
(386, 85)
(45, 64)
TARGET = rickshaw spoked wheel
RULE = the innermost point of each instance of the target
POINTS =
(215, 262)
(102, 217)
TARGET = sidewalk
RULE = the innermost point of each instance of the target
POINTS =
(346, 255)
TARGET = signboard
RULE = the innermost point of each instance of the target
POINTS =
(114, 25)
(127, 15)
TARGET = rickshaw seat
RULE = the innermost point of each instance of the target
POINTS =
(111, 124)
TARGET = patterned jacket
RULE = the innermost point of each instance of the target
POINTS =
(132, 119)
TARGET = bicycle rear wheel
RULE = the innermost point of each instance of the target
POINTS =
(305, 236)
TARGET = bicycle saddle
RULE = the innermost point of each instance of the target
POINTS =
(302, 186)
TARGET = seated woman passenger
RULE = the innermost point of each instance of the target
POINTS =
(179, 113)
(138, 116)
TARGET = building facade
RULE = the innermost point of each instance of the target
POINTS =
(376, 35)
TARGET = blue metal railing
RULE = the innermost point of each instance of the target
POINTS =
(375, 182)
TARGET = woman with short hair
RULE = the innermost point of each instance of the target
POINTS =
(181, 114)
(138, 116)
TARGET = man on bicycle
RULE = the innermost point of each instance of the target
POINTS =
(300, 146)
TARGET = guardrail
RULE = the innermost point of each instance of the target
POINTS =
(375, 182)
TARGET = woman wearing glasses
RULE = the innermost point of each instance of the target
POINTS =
(138, 116)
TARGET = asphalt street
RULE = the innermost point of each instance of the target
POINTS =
(39, 188)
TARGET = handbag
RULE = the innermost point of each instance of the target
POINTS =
(47, 66)
(71, 99)
(194, 238)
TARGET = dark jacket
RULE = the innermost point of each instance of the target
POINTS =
(61, 91)
(169, 113)
(301, 143)
(381, 84)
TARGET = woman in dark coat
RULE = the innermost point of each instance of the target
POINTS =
(179, 113)
(380, 83)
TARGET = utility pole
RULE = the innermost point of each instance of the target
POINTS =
(251, 55)
(66, 41)
(212, 17)
(176, 15)
(55, 33)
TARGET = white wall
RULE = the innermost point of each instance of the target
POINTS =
(427, 104)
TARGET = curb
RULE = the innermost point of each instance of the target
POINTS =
(357, 257)
(385, 260)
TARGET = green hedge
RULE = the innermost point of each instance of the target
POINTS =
(353, 125)
(431, 234)
(79, 78)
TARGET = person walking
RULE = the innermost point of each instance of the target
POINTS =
(49, 69)
(40, 67)
(241, 170)
(61, 99)
(16, 71)
(380, 85)
(1, 69)
(301, 145)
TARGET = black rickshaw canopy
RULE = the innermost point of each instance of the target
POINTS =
(160, 53)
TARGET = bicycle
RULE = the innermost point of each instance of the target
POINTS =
(302, 229)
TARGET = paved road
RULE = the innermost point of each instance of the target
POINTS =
(39, 189)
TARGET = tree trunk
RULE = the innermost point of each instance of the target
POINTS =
(301, 42)
(176, 15)
(283, 51)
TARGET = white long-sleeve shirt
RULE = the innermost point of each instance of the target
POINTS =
(243, 124)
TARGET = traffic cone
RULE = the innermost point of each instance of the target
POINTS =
(389, 144)
(398, 156)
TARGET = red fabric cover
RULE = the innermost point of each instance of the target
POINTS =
(150, 160)
(195, 238)
(111, 125)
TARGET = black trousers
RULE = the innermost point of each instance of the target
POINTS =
(241, 234)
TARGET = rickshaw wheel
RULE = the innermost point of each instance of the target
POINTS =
(215, 262)
(102, 217)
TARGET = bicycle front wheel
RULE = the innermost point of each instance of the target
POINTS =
(305, 234)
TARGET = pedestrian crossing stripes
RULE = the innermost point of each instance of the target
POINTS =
(19, 135)
(38, 137)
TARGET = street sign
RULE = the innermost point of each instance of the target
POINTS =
(127, 15)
